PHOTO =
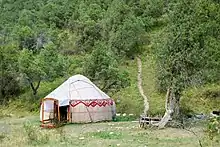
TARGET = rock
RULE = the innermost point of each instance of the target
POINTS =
(111, 133)
(200, 116)
(81, 138)
(124, 114)
(110, 124)
(118, 114)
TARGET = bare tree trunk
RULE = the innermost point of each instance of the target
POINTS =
(169, 110)
(171, 106)
(34, 89)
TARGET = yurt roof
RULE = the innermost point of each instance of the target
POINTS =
(77, 87)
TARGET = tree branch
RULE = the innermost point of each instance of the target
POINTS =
(38, 85)
(34, 89)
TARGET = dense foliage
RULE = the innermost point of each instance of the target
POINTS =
(189, 52)
(102, 67)
(37, 34)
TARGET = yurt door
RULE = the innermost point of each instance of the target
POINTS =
(50, 111)
(56, 111)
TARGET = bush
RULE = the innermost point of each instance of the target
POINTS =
(34, 135)
(213, 129)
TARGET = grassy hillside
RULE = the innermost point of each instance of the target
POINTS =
(130, 100)
(201, 99)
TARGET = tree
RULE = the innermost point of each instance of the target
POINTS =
(102, 67)
(45, 65)
(128, 38)
(9, 83)
(122, 29)
(57, 12)
(183, 57)
(85, 23)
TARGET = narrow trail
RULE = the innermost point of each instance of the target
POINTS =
(139, 78)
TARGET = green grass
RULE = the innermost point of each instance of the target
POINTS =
(130, 100)
(156, 100)
(203, 99)
(122, 118)
(106, 135)
(25, 132)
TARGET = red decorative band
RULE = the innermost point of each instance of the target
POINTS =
(92, 103)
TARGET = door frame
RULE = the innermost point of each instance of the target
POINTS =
(58, 108)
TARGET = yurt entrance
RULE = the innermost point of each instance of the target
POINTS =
(50, 111)
(64, 110)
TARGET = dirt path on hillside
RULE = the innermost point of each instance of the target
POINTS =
(139, 78)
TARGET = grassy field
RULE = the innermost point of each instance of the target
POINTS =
(25, 132)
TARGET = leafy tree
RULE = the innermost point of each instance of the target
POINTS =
(128, 38)
(183, 57)
(85, 22)
(57, 12)
(9, 82)
(45, 65)
(102, 67)
(122, 30)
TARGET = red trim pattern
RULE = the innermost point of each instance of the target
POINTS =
(92, 103)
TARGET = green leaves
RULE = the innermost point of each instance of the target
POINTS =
(102, 67)
(185, 55)
(30, 65)
(45, 65)
(127, 39)
(8, 71)
(213, 128)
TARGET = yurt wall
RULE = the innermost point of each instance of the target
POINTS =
(91, 111)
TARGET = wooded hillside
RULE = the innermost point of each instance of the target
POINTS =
(44, 41)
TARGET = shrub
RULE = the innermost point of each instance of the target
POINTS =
(34, 135)
(213, 129)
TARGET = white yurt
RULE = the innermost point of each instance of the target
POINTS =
(77, 100)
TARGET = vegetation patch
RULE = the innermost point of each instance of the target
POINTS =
(213, 128)
(2, 136)
(125, 118)
(107, 135)
(35, 135)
